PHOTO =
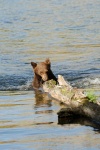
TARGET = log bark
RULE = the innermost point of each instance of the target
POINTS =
(75, 100)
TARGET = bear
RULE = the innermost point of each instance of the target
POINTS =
(42, 72)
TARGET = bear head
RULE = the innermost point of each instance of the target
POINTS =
(42, 69)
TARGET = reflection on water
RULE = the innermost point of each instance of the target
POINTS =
(68, 32)
(42, 99)
(29, 123)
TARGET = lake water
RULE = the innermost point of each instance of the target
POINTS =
(66, 31)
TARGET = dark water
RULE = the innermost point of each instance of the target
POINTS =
(68, 32)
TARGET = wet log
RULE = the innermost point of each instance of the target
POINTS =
(76, 101)
(90, 111)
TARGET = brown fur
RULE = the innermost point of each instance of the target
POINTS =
(42, 72)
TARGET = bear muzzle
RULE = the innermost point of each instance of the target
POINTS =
(44, 77)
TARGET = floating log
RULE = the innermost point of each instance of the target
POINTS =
(76, 101)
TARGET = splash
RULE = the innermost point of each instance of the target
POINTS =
(95, 81)
(24, 83)
(89, 81)
(11, 83)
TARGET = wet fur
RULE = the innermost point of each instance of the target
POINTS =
(42, 72)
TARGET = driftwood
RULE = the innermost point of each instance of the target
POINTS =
(76, 101)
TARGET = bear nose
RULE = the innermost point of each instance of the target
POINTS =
(44, 77)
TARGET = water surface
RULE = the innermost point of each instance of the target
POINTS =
(68, 32)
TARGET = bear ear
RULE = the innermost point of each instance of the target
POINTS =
(47, 61)
(33, 64)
